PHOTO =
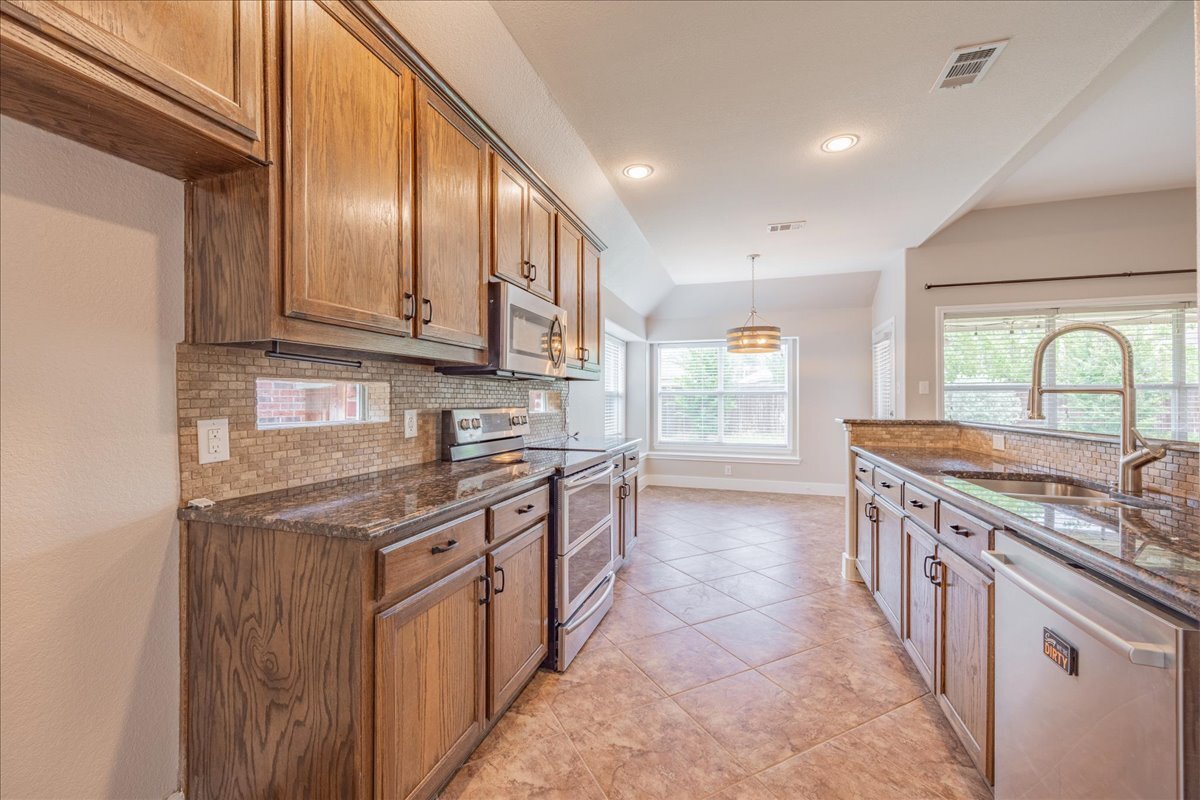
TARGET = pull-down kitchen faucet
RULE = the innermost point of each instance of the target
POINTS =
(1136, 452)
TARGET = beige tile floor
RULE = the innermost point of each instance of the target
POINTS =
(734, 665)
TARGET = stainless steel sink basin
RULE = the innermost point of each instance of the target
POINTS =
(1045, 491)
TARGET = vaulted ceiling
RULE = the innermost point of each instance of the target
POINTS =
(730, 102)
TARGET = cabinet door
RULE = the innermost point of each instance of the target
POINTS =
(889, 570)
(452, 225)
(618, 545)
(349, 146)
(518, 622)
(207, 56)
(541, 218)
(430, 683)
(918, 629)
(570, 273)
(509, 193)
(590, 313)
(629, 507)
(964, 681)
(865, 535)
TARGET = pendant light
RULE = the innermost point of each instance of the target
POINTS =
(753, 336)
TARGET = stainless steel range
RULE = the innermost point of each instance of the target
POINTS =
(581, 518)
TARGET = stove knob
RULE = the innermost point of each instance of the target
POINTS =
(464, 423)
(524, 420)
(515, 420)
(475, 423)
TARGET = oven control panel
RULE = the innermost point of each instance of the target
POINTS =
(465, 425)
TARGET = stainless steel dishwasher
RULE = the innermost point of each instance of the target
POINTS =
(1089, 691)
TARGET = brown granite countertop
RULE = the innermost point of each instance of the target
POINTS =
(1154, 550)
(1026, 427)
(380, 503)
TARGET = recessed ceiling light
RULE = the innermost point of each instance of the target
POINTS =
(839, 143)
(638, 171)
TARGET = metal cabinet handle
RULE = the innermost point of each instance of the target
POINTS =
(916, 504)
(487, 589)
(863, 470)
(1145, 653)
(925, 567)
(428, 318)
(961, 530)
(936, 564)
(503, 581)
(624, 490)
(525, 509)
(410, 306)
(532, 271)
(450, 545)
(525, 270)
(885, 484)
(872, 512)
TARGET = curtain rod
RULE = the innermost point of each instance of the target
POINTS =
(1064, 278)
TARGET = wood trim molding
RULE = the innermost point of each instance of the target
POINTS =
(367, 12)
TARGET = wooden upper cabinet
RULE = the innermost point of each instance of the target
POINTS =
(522, 231)
(169, 84)
(569, 268)
(430, 683)
(509, 191)
(540, 218)
(349, 150)
(452, 224)
(590, 314)
(518, 620)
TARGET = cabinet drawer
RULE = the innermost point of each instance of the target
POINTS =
(632, 459)
(889, 486)
(964, 533)
(863, 470)
(921, 505)
(409, 564)
(518, 513)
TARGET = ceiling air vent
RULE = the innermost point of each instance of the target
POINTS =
(780, 227)
(968, 65)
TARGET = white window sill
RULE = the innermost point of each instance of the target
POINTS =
(741, 458)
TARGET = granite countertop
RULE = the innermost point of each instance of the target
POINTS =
(1018, 427)
(1154, 550)
(380, 503)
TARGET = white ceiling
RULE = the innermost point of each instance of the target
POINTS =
(844, 290)
(1134, 131)
(730, 101)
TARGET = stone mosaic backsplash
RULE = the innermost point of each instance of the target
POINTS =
(1178, 474)
(214, 382)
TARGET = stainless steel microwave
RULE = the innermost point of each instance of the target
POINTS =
(525, 337)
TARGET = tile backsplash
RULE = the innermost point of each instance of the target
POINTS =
(214, 382)
(1178, 474)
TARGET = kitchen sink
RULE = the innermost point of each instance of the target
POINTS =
(1047, 489)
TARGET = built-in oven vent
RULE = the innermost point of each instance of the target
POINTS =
(968, 65)
(780, 227)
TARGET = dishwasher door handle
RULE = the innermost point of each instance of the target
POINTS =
(1144, 653)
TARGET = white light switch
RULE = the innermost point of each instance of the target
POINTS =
(410, 423)
(923, 387)
(212, 435)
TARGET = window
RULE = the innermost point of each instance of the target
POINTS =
(614, 386)
(708, 399)
(987, 364)
(883, 371)
(298, 404)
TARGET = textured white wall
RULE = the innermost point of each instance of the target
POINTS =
(1129, 232)
(91, 286)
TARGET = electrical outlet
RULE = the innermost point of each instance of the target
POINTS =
(212, 436)
(923, 387)
(728, 469)
(410, 423)
(997, 441)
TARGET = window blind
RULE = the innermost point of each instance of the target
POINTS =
(987, 364)
(883, 376)
(707, 396)
(614, 386)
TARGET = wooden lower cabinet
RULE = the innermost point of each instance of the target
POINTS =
(625, 504)
(518, 616)
(918, 630)
(430, 676)
(964, 682)
(889, 542)
(865, 534)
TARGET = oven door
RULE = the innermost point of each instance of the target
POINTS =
(531, 333)
(585, 504)
(583, 569)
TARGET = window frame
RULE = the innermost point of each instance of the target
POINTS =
(622, 393)
(1030, 307)
(716, 450)
(885, 330)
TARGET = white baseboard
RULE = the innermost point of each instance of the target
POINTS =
(738, 485)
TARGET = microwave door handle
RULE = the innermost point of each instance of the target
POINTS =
(557, 355)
